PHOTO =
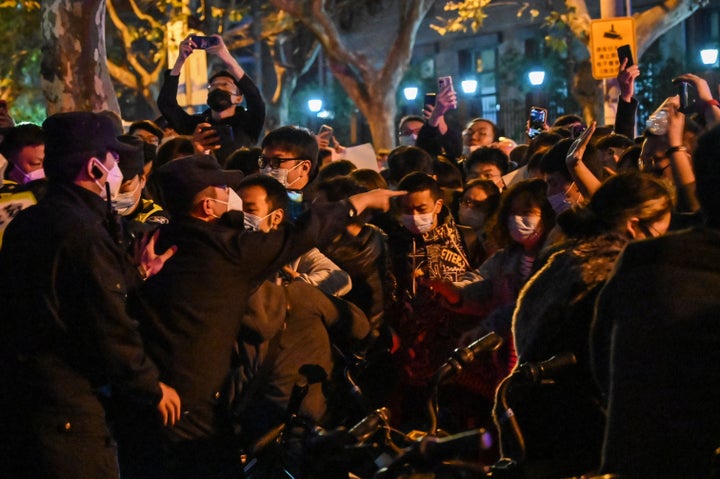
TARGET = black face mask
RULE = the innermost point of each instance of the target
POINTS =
(219, 100)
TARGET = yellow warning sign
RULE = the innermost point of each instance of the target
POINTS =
(606, 35)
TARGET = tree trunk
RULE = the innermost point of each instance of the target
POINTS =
(293, 53)
(74, 73)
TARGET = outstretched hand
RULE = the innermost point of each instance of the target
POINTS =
(378, 199)
(704, 93)
(676, 121)
(626, 80)
(442, 288)
(220, 50)
(170, 406)
(577, 149)
(149, 261)
(205, 138)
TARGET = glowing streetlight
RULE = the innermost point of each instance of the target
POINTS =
(315, 105)
(709, 56)
(410, 93)
(536, 77)
(469, 86)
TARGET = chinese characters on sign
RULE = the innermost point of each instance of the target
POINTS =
(606, 35)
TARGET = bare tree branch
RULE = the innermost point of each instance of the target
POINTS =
(654, 22)
(142, 16)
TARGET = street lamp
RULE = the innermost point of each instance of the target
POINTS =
(410, 93)
(709, 56)
(315, 105)
(536, 77)
(469, 87)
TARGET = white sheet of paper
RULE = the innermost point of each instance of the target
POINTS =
(362, 156)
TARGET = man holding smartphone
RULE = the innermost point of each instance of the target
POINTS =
(225, 125)
(435, 136)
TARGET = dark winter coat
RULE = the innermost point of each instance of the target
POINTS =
(302, 354)
(66, 340)
(563, 422)
(246, 124)
(657, 334)
(366, 259)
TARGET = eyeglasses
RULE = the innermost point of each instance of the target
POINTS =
(224, 85)
(274, 161)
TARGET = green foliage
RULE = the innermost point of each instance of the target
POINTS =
(471, 14)
(20, 57)
(558, 33)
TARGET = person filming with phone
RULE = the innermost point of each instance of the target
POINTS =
(430, 131)
(225, 125)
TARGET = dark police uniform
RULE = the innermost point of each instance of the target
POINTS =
(66, 340)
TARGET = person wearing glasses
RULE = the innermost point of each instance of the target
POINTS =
(487, 163)
(225, 125)
(478, 203)
(290, 155)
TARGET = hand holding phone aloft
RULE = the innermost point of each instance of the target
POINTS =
(446, 94)
(536, 122)
(204, 42)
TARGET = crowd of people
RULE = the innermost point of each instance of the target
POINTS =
(166, 287)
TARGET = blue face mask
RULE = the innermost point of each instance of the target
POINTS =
(252, 222)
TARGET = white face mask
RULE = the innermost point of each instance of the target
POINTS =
(471, 217)
(524, 229)
(125, 203)
(281, 174)
(114, 178)
(19, 176)
(407, 140)
(234, 202)
(252, 222)
(418, 224)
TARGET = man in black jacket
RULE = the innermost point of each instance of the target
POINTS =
(230, 125)
(67, 343)
(195, 305)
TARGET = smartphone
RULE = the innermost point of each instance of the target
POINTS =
(430, 99)
(325, 131)
(683, 91)
(204, 42)
(538, 117)
(624, 52)
(224, 133)
(445, 81)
